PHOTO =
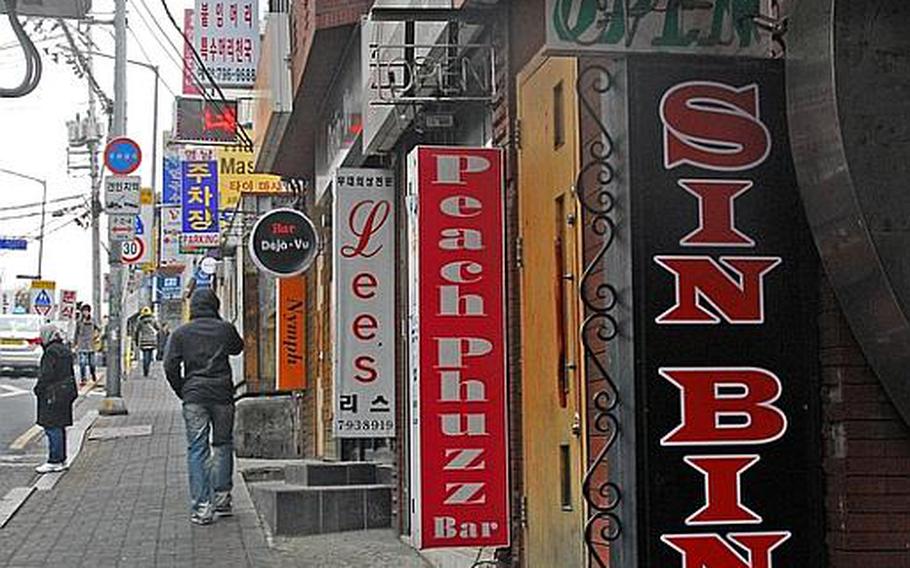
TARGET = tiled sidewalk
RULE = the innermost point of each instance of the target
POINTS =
(124, 503)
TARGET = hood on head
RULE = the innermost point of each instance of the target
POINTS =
(204, 304)
(48, 334)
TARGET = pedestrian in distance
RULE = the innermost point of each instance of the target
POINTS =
(164, 332)
(84, 342)
(197, 367)
(55, 392)
(146, 337)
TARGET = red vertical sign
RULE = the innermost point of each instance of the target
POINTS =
(463, 497)
(189, 64)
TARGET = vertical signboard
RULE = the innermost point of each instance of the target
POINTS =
(171, 176)
(67, 305)
(291, 329)
(364, 297)
(189, 63)
(226, 36)
(199, 204)
(459, 426)
(724, 320)
(171, 229)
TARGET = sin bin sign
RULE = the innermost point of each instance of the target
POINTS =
(283, 242)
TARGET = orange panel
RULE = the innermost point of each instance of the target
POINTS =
(291, 329)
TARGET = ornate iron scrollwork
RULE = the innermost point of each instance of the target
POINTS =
(599, 297)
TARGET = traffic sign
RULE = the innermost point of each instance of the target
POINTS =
(122, 156)
(131, 251)
(13, 244)
(122, 195)
(42, 303)
(121, 227)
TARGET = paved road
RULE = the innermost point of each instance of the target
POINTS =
(17, 407)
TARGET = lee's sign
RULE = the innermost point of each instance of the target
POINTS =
(364, 297)
(459, 453)
(724, 318)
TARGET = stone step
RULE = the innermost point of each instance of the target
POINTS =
(294, 510)
(324, 474)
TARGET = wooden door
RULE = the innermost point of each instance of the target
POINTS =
(551, 409)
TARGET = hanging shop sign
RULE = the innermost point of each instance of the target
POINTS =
(171, 178)
(290, 345)
(459, 427)
(168, 287)
(199, 204)
(189, 62)
(67, 305)
(226, 37)
(724, 318)
(204, 121)
(283, 242)
(236, 175)
(718, 27)
(121, 195)
(171, 229)
(364, 296)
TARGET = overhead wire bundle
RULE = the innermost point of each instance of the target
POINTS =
(32, 57)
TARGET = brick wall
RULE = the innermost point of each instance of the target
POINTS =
(866, 454)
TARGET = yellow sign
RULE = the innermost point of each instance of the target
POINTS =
(236, 176)
(146, 196)
(44, 284)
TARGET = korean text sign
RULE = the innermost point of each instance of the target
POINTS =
(199, 197)
(457, 351)
(364, 292)
(226, 35)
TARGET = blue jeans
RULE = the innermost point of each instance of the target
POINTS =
(211, 468)
(146, 361)
(86, 361)
(56, 444)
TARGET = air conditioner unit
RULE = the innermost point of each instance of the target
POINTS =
(74, 9)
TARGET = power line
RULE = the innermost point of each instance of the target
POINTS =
(149, 61)
(61, 211)
(177, 61)
(241, 131)
(38, 203)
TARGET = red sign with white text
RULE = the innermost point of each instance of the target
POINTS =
(460, 473)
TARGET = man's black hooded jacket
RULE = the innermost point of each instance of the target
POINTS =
(202, 346)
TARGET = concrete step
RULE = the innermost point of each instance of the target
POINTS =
(293, 510)
(325, 474)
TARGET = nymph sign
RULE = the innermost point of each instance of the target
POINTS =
(459, 457)
(724, 322)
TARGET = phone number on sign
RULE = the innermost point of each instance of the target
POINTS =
(378, 426)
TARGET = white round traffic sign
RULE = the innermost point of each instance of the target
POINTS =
(131, 251)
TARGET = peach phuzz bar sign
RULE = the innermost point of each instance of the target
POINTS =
(459, 456)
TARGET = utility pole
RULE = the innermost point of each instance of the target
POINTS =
(96, 192)
(113, 403)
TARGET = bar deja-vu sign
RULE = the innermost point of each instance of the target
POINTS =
(725, 314)
(459, 437)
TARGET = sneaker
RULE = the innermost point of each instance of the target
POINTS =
(50, 468)
(223, 506)
(201, 519)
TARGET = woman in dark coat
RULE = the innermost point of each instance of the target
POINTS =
(56, 392)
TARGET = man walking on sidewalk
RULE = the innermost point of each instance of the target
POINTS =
(204, 384)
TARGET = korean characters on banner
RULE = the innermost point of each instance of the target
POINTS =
(457, 348)
(226, 35)
(364, 263)
(199, 204)
(725, 316)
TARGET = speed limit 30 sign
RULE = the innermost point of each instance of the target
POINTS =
(132, 251)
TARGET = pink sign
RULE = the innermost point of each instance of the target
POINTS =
(189, 64)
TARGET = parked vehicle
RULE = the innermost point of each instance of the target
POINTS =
(20, 343)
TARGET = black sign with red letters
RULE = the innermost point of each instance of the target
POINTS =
(725, 281)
